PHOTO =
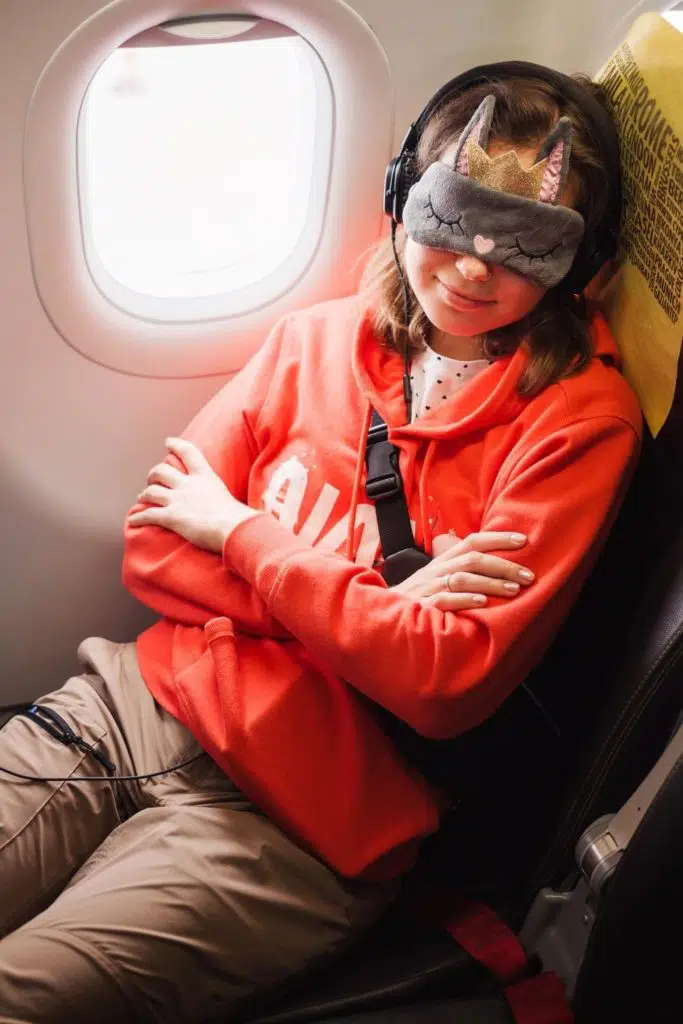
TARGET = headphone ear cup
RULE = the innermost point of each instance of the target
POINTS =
(390, 185)
(586, 265)
(398, 181)
(406, 177)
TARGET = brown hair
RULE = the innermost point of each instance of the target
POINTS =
(556, 330)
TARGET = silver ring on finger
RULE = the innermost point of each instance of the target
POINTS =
(448, 583)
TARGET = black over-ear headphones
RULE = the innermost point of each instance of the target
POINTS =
(595, 248)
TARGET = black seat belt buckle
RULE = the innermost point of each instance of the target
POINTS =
(402, 564)
(380, 488)
(386, 483)
(377, 432)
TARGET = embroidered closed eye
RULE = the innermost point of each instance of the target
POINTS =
(519, 250)
(452, 224)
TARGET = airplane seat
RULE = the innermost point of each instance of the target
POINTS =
(611, 681)
(630, 660)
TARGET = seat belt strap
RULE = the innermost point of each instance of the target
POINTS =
(488, 940)
(539, 1000)
(384, 488)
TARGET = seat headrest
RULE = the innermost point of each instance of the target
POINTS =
(644, 82)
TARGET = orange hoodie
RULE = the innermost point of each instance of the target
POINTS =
(268, 654)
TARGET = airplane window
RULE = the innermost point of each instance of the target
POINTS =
(200, 153)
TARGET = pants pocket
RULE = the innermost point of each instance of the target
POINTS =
(50, 822)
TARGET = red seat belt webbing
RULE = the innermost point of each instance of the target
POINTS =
(539, 1000)
(487, 939)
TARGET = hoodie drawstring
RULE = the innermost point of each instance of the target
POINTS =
(360, 464)
(424, 510)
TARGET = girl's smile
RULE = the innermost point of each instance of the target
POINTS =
(460, 300)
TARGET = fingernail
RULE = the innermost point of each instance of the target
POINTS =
(517, 538)
(479, 599)
(526, 574)
(512, 587)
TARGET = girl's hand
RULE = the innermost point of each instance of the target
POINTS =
(196, 504)
(463, 575)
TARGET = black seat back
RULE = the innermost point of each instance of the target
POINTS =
(631, 969)
(611, 688)
(622, 654)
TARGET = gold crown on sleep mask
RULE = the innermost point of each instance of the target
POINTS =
(542, 182)
(504, 172)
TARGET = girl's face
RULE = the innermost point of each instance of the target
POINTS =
(463, 295)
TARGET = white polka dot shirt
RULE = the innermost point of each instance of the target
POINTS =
(435, 378)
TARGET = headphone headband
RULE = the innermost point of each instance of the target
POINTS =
(596, 248)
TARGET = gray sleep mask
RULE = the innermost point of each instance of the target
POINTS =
(494, 209)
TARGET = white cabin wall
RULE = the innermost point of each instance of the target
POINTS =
(453, 35)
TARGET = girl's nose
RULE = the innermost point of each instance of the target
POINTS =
(472, 268)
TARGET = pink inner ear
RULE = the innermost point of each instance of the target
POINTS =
(463, 165)
(550, 186)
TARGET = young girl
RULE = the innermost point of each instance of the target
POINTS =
(275, 813)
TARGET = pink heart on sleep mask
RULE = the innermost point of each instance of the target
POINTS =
(483, 245)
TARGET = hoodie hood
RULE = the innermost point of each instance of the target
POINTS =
(488, 400)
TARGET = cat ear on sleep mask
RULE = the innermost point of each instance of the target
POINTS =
(494, 208)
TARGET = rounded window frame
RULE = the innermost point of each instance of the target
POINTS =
(100, 326)
(244, 299)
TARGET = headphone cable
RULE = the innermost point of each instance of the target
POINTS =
(53, 723)
(407, 391)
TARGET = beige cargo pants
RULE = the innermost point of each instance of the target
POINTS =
(171, 899)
